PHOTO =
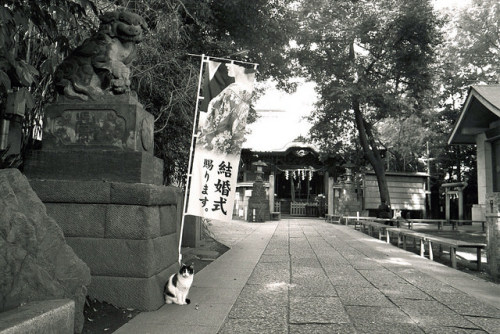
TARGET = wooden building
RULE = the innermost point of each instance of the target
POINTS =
(479, 124)
(407, 192)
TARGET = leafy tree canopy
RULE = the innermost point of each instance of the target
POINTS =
(371, 60)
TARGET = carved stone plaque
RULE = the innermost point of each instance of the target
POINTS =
(84, 127)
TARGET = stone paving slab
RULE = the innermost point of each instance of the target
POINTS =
(360, 296)
(431, 313)
(326, 310)
(314, 289)
(321, 329)
(253, 326)
(464, 305)
(489, 325)
(308, 276)
(403, 291)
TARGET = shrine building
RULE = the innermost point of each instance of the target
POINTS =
(296, 175)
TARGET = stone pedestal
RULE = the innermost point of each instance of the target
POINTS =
(478, 212)
(110, 139)
(99, 180)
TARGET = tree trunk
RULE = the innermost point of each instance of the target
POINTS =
(371, 152)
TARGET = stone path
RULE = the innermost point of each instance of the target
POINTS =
(306, 276)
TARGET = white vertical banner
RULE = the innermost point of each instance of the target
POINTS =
(227, 90)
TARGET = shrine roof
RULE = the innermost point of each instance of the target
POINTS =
(481, 108)
(288, 146)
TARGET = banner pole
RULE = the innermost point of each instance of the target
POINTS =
(191, 149)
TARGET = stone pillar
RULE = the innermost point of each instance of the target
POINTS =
(271, 191)
(481, 159)
(460, 195)
(493, 234)
(447, 204)
(330, 196)
(484, 176)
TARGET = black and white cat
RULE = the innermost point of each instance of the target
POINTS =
(177, 287)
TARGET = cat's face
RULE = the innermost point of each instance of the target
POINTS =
(186, 270)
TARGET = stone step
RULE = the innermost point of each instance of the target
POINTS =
(41, 317)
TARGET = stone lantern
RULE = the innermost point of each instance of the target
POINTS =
(348, 171)
(258, 203)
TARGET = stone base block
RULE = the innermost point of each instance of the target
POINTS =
(258, 211)
(113, 221)
(79, 220)
(121, 166)
(145, 294)
(48, 316)
(97, 192)
(125, 257)
(112, 210)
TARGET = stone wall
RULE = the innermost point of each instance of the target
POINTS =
(127, 233)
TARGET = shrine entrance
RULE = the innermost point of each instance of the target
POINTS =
(296, 179)
(300, 191)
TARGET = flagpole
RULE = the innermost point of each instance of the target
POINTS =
(190, 163)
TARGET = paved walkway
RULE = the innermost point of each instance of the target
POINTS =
(306, 276)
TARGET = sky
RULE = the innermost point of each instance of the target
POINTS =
(439, 4)
(282, 115)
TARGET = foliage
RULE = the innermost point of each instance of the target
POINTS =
(34, 37)
(371, 61)
(404, 140)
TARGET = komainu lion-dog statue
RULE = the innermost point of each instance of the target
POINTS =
(101, 65)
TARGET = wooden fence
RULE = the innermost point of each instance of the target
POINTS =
(298, 209)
